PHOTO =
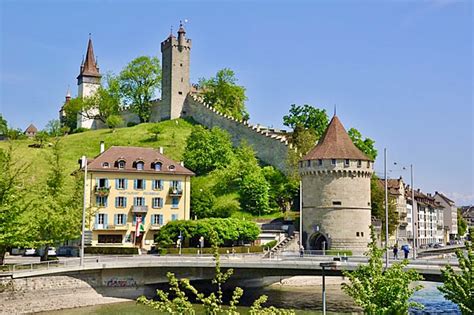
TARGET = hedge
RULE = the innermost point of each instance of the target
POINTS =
(111, 250)
(207, 250)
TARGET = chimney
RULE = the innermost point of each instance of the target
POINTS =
(102, 147)
(161, 150)
(182, 163)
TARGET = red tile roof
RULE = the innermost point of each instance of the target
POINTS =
(31, 129)
(335, 144)
(131, 155)
(89, 68)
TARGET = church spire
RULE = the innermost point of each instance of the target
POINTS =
(89, 66)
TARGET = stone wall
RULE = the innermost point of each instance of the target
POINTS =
(270, 148)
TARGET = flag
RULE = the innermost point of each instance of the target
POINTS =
(139, 226)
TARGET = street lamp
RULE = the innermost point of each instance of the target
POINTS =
(386, 206)
(324, 265)
(83, 164)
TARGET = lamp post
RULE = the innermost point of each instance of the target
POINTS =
(301, 215)
(324, 265)
(84, 164)
(386, 206)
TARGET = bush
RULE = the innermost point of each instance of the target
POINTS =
(111, 250)
(131, 124)
(79, 130)
(209, 250)
(270, 244)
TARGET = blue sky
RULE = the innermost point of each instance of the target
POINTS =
(399, 71)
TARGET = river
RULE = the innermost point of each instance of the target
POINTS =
(305, 300)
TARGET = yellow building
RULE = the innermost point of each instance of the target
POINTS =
(129, 185)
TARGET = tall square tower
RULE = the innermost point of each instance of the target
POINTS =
(175, 83)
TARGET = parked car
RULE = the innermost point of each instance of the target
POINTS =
(438, 245)
(51, 251)
(69, 251)
(423, 246)
(30, 252)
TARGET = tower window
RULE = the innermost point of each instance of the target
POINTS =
(333, 162)
(346, 162)
(180, 93)
(180, 64)
(357, 234)
(368, 164)
(336, 203)
(320, 162)
(182, 79)
(309, 163)
(359, 163)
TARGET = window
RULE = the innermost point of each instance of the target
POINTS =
(336, 203)
(359, 163)
(309, 163)
(120, 219)
(174, 217)
(105, 165)
(121, 164)
(320, 162)
(180, 93)
(120, 202)
(171, 167)
(139, 184)
(157, 219)
(157, 166)
(138, 201)
(346, 162)
(109, 238)
(180, 64)
(333, 162)
(157, 184)
(368, 164)
(357, 234)
(182, 80)
(157, 202)
(174, 202)
(140, 166)
(101, 201)
(362, 234)
(121, 183)
(101, 218)
(102, 182)
(175, 184)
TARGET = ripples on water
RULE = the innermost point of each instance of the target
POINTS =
(433, 301)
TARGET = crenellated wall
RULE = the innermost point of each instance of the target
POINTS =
(271, 148)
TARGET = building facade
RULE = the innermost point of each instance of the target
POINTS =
(336, 193)
(131, 193)
(450, 215)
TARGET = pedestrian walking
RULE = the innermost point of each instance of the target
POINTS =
(395, 251)
(301, 251)
(406, 251)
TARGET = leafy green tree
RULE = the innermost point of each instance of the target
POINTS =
(377, 196)
(202, 203)
(3, 126)
(14, 200)
(16, 134)
(56, 215)
(155, 130)
(254, 194)
(71, 112)
(41, 137)
(307, 117)
(139, 81)
(223, 93)
(378, 290)
(207, 150)
(214, 302)
(366, 145)
(462, 224)
(303, 139)
(53, 128)
(283, 190)
(458, 287)
(114, 121)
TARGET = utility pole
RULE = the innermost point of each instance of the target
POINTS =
(301, 214)
(413, 213)
(386, 206)
(84, 164)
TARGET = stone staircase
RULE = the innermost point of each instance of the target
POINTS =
(288, 243)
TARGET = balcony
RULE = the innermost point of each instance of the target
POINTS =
(174, 191)
(155, 227)
(118, 227)
(101, 191)
(139, 209)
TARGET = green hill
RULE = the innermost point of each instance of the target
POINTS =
(172, 139)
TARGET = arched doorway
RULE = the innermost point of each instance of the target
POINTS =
(317, 241)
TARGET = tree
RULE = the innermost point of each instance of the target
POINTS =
(155, 130)
(41, 137)
(14, 200)
(56, 215)
(202, 203)
(367, 145)
(71, 112)
(254, 194)
(458, 287)
(213, 303)
(3, 126)
(139, 81)
(283, 190)
(53, 128)
(16, 134)
(377, 197)
(307, 117)
(303, 140)
(462, 224)
(223, 93)
(114, 121)
(378, 290)
(207, 150)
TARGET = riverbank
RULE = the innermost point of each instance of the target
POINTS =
(43, 294)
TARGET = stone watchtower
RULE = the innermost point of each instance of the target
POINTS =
(335, 178)
(88, 81)
(175, 83)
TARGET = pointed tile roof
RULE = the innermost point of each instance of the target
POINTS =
(31, 129)
(335, 143)
(89, 66)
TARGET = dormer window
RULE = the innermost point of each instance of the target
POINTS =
(320, 162)
(121, 164)
(359, 163)
(105, 165)
(333, 162)
(171, 167)
(346, 162)
(157, 166)
(140, 166)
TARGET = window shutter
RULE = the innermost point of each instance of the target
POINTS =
(115, 219)
(179, 185)
(106, 182)
(134, 201)
(116, 183)
(124, 218)
(106, 221)
(96, 221)
(116, 202)
(160, 202)
(134, 221)
(125, 183)
(105, 201)
(134, 184)
(124, 202)
(143, 219)
(97, 181)
(144, 183)
(160, 219)
(97, 200)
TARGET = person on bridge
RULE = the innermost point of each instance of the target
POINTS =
(406, 250)
(395, 251)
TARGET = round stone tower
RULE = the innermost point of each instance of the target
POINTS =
(335, 178)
